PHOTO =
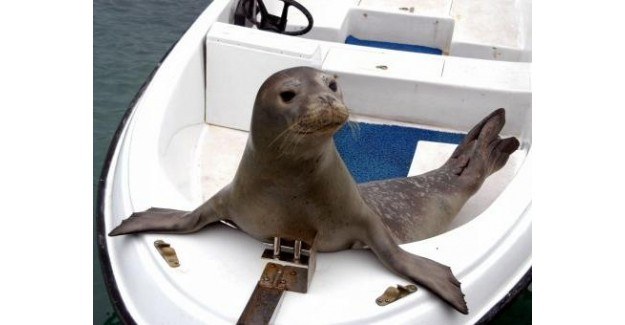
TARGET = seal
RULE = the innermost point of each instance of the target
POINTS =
(292, 183)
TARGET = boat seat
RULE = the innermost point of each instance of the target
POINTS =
(495, 30)
(414, 84)
(482, 29)
(379, 21)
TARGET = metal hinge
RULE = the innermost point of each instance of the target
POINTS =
(395, 293)
(167, 252)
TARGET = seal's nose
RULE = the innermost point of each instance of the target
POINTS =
(328, 99)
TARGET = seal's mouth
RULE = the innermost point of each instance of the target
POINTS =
(322, 121)
(330, 127)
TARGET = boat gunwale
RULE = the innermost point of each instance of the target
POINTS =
(508, 298)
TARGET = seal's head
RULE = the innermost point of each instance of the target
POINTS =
(297, 106)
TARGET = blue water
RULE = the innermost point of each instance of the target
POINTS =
(129, 38)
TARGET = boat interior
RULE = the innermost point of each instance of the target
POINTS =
(209, 115)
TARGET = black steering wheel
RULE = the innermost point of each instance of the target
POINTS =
(247, 11)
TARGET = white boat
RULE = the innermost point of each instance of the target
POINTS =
(184, 133)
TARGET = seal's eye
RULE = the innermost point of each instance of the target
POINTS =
(287, 96)
(332, 85)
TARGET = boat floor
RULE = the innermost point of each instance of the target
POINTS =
(221, 150)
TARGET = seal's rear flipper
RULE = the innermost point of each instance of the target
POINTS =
(483, 152)
(419, 207)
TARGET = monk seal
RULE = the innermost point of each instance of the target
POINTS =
(292, 183)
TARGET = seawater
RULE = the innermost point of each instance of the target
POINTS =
(129, 39)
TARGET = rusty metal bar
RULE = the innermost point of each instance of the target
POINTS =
(289, 268)
(261, 306)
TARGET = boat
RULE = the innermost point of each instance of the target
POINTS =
(416, 76)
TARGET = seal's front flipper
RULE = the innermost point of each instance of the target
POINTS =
(159, 220)
(156, 220)
(434, 276)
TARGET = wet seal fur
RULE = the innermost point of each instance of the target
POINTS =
(292, 183)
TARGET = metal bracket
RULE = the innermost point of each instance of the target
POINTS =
(294, 253)
(290, 268)
(393, 294)
(167, 252)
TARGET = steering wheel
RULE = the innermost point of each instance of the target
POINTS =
(246, 11)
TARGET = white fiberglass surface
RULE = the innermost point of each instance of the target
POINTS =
(400, 86)
(485, 29)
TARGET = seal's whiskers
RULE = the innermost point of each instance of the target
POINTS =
(354, 128)
(282, 134)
